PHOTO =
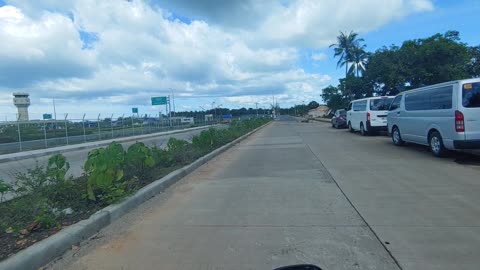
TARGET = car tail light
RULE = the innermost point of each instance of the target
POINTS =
(459, 122)
(368, 117)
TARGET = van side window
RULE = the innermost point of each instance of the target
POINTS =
(349, 107)
(362, 106)
(432, 99)
(395, 103)
(471, 95)
(441, 98)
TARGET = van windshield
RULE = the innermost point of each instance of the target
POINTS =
(471, 95)
(381, 104)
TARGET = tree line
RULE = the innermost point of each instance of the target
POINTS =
(393, 69)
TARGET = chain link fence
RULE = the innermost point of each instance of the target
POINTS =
(18, 136)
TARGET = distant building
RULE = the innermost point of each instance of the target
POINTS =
(320, 111)
(208, 117)
(21, 101)
(183, 120)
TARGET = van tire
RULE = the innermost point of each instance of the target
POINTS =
(397, 137)
(350, 127)
(362, 130)
(435, 143)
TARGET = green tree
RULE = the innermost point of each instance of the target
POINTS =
(473, 66)
(386, 71)
(334, 98)
(313, 105)
(359, 59)
(435, 59)
(344, 48)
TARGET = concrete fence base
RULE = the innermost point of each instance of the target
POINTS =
(41, 253)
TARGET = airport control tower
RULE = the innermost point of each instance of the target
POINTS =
(22, 102)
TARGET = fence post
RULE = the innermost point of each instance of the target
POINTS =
(83, 125)
(123, 125)
(133, 127)
(66, 127)
(99, 130)
(19, 134)
(45, 132)
(111, 124)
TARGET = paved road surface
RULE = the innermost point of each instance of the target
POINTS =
(265, 203)
(271, 201)
(77, 158)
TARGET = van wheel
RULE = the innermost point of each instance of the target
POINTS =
(397, 137)
(350, 127)
(435, 142)
(362, 130)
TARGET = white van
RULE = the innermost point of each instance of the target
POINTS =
(368, 115)
(442, 116)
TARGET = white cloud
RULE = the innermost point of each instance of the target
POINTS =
(319, 56)
(143, 50)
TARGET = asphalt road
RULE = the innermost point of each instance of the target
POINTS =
(303, 193)
(77, 158)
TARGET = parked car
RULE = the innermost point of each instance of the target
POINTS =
(442, 116)
(368, 115)
(339, 119)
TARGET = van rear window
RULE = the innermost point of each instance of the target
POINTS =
(381, 104)
(471, 95)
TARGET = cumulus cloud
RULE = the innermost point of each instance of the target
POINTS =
(123, 52)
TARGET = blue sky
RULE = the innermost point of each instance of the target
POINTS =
(460, 15)
(106, 57)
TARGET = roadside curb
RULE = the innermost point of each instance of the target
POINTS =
(67, 148)
(43, 252)
(321, 120)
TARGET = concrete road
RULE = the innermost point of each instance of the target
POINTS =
(274, 200)
(77, 158)
(265, 203)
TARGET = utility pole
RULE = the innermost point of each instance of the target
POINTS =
(256, 107)
(173, 101)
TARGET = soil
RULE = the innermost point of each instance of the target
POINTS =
(12, 243)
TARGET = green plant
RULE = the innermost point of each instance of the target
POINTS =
(32, 181)
(104, 166)
(57, 168)
(162, 157)
(45, 216)
(180, 150)
(138, 158)
(4, 189)
(113, 194)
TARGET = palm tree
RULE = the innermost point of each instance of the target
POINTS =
(359, 59)
(344, 48)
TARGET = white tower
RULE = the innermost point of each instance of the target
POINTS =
(22, 102)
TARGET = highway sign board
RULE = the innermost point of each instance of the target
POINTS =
(47, 116)
(134, 110)
(159, 100)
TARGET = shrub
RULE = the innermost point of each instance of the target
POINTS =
(180, 150)
(138, 158)
(162, 157)
(104, 167)
(57, 168)
(4, 189)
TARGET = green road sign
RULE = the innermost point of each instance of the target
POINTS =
(47, 116)
(159, 100)
(134, 110)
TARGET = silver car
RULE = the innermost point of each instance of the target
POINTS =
(442, 116)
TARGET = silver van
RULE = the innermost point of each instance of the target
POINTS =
(442, 116)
